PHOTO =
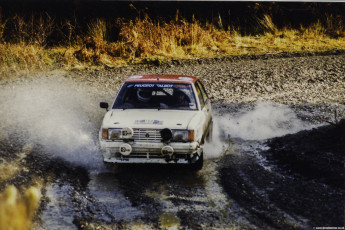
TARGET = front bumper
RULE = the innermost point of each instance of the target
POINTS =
(183, 153)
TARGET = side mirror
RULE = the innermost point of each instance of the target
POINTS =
(104, 105)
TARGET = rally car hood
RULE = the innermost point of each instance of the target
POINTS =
(173, 119)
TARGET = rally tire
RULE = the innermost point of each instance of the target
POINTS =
(198, 164)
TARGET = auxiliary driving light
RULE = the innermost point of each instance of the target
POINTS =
(167, 151)
(125, 149)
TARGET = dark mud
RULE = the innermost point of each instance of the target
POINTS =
(316, 154)
(303, 185)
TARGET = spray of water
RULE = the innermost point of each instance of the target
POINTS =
(63, 118)
(266, 120)
(56, 114)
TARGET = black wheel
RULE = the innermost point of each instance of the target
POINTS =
(198, 164)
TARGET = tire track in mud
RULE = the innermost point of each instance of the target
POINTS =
(162, 197)
(141, 196)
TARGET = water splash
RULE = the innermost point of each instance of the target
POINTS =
(55, 113)
(266, 120)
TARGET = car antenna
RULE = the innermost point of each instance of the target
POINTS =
(157, 77)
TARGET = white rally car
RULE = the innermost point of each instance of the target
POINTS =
(157, 119)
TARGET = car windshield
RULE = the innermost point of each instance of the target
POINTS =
(156, 96)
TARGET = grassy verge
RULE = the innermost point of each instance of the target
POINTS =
(16, 210)
(146, 40)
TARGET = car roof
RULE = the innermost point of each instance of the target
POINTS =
(166, 78)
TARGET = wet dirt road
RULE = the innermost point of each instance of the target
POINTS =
(50, 134)
(242, 189)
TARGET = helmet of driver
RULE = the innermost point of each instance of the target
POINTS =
(144, 94)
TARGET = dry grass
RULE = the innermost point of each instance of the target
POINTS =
(146, 40)
(17, 211)
(8, 170)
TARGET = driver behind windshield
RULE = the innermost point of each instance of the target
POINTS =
(181, 99)
(137, 98)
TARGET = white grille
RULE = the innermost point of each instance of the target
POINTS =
(147, 135)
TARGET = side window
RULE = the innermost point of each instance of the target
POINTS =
(201, 99)
(202, 89)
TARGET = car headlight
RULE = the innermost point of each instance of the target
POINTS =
(114, 134)
(182, 135)
(117, 133)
